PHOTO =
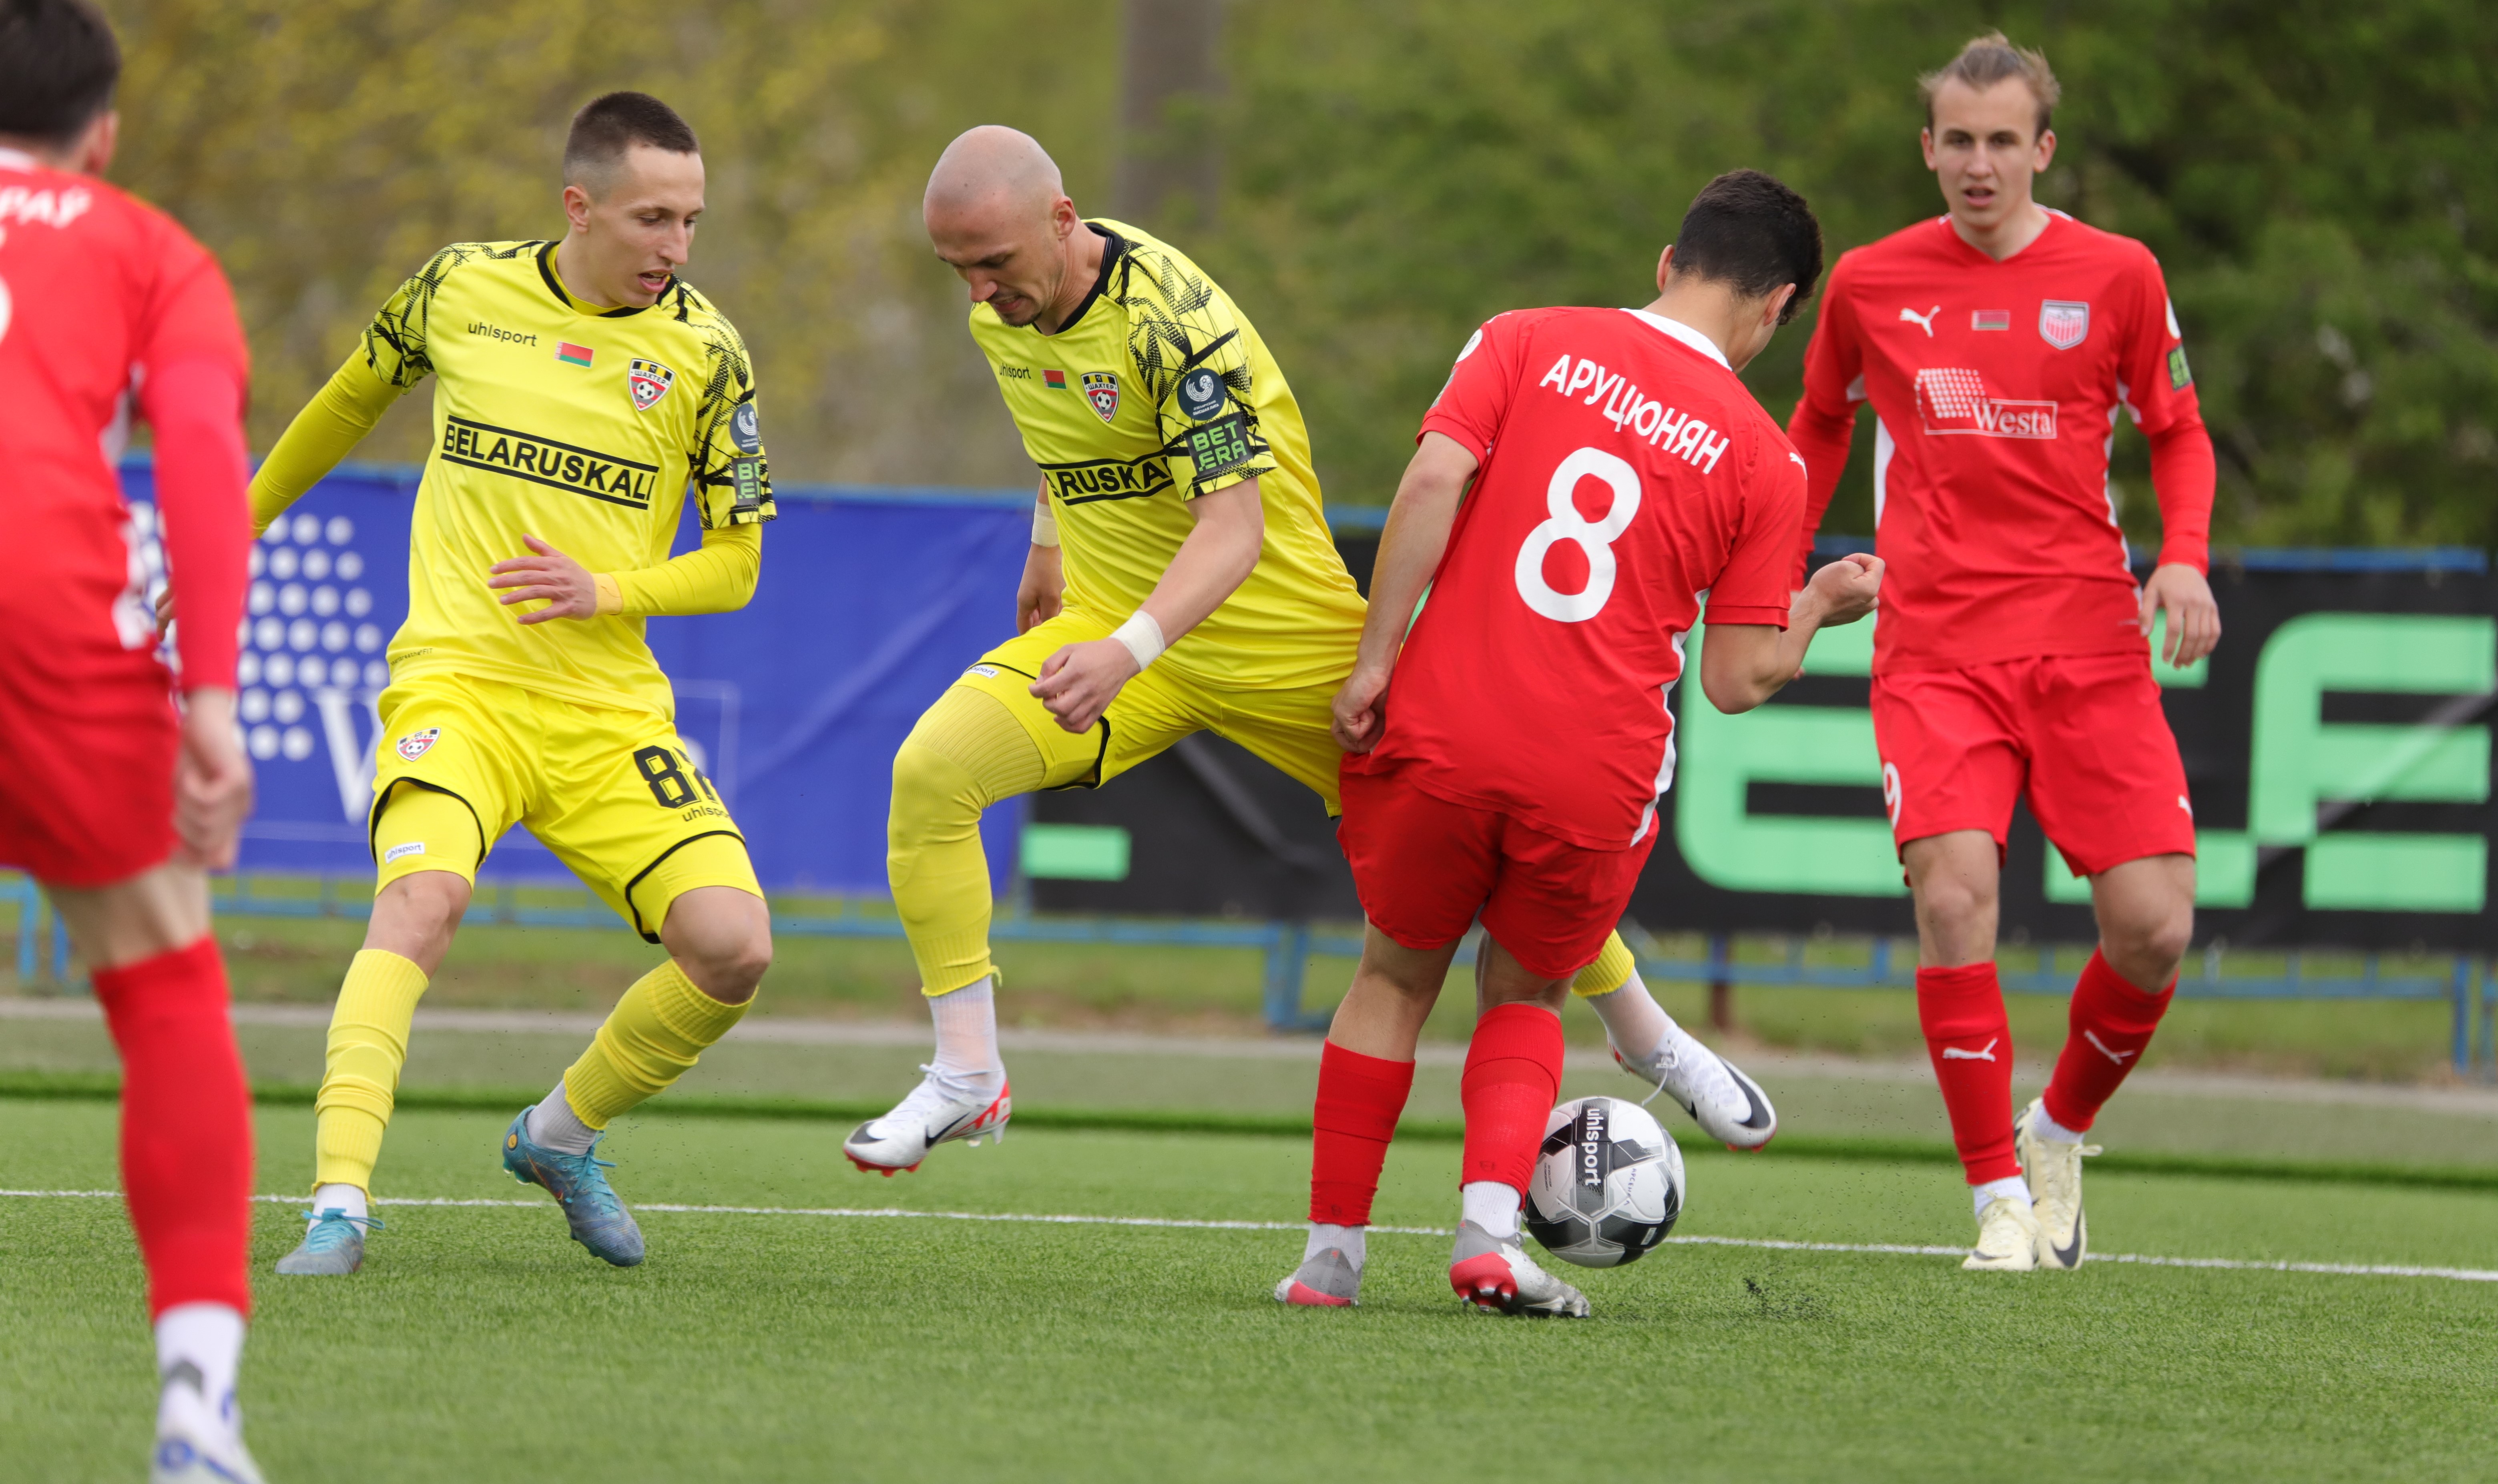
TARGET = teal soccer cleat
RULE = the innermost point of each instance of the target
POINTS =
(598, 1218)
(332, 1246)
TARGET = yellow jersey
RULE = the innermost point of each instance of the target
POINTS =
(583, 427)
(1157, 390)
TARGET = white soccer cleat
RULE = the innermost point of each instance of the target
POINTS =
(198, 1441)
(2054, 1171)
(1730, 1107)
(938, 1110)
(1499, 1277)
(1328, 1280)
(2007, 1239)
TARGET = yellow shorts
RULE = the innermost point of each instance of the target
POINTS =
(1286, 726)
(615, 794)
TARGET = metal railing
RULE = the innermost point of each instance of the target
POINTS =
(2468, 984)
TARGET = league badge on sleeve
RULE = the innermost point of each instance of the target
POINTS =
(1200, 391)
(746, 428)
(2063, 323)
(649, 381)
(1101, 390)
(416, 745)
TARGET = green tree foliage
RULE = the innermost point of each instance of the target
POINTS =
(2316, 180)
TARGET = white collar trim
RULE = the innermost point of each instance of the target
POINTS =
(1683, 332)
(18, 159)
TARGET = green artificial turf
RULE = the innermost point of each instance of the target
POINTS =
(481, 1344)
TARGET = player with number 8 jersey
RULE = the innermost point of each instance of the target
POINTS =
(1505, 756)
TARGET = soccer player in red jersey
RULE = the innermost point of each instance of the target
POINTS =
(112, 799)
(1998, 345)
(1620, 470)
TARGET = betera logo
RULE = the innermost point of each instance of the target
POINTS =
(1954, 400)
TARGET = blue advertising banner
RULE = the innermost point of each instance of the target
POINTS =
(871, 603)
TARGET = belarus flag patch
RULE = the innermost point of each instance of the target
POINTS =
(571, 354)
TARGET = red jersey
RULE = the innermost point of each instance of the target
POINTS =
(98, 293)
(1996, 386)
(1625, 472)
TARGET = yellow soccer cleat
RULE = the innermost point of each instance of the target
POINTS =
(2007, 1239)
(2054, 1171)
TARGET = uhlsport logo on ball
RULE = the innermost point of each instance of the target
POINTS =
(1607, 1184)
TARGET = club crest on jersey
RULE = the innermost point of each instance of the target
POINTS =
(416, 745)
(648, 381)
(2063, 323)
(1101, 390)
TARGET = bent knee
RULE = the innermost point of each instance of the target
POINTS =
(2149, 947)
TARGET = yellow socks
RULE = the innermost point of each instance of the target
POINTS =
(1611, 969)
(360, 1078)
(966, 752)
(654, 1036)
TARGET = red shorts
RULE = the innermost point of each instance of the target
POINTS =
(2081, 736)
(1424, 867)
(88, 728)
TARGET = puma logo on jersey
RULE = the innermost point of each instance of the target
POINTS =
(2092, 1036)
(1925, 321)
(1984, 1053)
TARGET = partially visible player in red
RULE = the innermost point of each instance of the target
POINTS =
(1620, 469)
(1997, 344)
(115, 799)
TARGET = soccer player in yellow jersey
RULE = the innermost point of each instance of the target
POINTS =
(1197, 588)
(580, 389)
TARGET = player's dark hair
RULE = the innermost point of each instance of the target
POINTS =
(58, 64)
(1754, 233)
(1989, 59)
(612, 123)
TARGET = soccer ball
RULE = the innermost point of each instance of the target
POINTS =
(1607, 1184)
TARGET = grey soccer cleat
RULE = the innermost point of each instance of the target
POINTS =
(590, 1206)
(1499, 1277)
(1328, 1280)
(333, 1245)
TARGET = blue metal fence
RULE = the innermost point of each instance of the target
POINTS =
(1286, 948)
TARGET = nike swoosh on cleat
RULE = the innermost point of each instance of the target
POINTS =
(1759, 1115)
(2071, 1256)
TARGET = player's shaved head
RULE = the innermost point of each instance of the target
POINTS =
(995, 173)
(997, 212)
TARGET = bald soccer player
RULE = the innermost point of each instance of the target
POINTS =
(1197, 589)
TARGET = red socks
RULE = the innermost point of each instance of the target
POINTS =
(1513, 1074)
(2112, 1021)
(185, 1125)
(1970, 1041)
(1360, 1099)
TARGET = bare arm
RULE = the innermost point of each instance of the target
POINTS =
(1043, 588)
(1079, 682)
(1745, 664)
(1410, 549)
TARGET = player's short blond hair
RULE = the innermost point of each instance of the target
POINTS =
(1989, 59)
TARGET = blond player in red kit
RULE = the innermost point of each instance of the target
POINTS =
(112, 799)
(1506, 757)
(1998, 345)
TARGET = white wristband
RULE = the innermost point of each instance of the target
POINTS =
(1143, 636)
(1045, 527)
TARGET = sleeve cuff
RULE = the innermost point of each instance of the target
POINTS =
(1449, 427)
(611, 595)
(1729, 612)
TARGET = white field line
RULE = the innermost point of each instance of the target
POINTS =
(1757, 1244)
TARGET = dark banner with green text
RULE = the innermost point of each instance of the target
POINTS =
(2337, 746)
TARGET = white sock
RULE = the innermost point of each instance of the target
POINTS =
(2011, 1189)
(1353, 1241)
(1492, 1206)
(347, 1198)
(554, 1124)
(966, 1038)
(1634, 1022)
(2049, 1129)
(200, 1343)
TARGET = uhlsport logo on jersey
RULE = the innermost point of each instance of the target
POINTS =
(648, 381)
(1955, 399)
(2063, 323)
(416, 745)
(1101, 390)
